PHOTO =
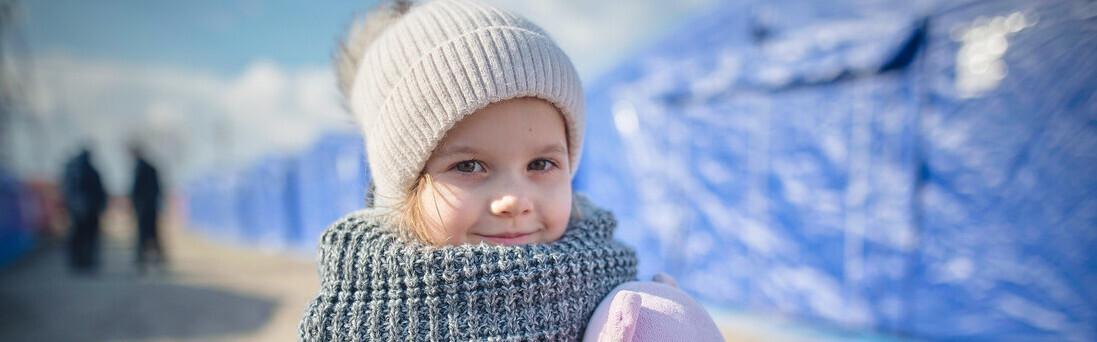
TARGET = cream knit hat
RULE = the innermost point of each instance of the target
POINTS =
(440, 62)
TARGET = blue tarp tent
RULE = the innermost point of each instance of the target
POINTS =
(332, 182)
(866, 163)
(213, 206)
(16, 233)
(283, 203)
(269, 203)
(1008, 202)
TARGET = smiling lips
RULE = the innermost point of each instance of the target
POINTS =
(508, 239)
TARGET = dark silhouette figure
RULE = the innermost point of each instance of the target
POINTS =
(85, 200)
(146, 205)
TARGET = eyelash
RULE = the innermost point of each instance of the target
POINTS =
(476, 163)
(549, 164)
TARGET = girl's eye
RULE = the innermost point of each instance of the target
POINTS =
(469, 166)
(541, 165)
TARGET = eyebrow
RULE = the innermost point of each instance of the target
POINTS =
(461, 149)
(554, 148)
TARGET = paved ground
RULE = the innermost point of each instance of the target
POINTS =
(207, 292)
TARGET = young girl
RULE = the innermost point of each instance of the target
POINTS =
(473, 120)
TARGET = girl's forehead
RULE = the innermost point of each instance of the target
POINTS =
(525, 123)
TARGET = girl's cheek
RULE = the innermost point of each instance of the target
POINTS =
(461, 198)
(559, 201)
(458, 181)
(449, 192)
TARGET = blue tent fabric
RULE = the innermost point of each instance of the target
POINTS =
(213, 205)
(16, 233)
(819, 160)
(739, 182)
(1009, 204)
(332, 181)
(267, 218)
(283, 202)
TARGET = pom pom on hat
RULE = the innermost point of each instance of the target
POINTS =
(361, 34)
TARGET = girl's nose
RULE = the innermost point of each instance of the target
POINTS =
(511, 206)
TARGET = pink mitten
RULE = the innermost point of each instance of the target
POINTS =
(651, 311)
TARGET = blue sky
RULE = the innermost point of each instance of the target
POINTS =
(217, 85)
(222, 36)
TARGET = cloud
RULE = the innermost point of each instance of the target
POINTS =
(190, 120)
(598, 34)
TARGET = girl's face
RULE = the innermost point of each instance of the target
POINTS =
(500, 176)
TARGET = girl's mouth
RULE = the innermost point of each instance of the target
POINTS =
(508, 239)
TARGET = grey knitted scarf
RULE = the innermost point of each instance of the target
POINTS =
(376, 286)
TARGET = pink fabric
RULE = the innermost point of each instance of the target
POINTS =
(651, 311)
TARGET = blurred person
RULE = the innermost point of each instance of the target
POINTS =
(473, 120)
(145, 198)
(85, 200)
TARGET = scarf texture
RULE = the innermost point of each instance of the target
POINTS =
(376, 286)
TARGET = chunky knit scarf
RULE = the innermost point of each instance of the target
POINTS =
(376, 286)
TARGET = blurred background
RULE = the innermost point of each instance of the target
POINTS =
(847, 170)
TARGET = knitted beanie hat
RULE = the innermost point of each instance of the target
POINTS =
(440, 62)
